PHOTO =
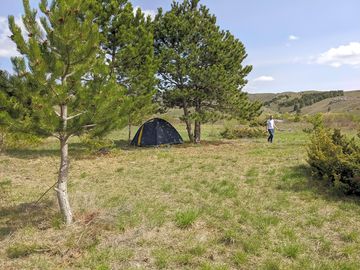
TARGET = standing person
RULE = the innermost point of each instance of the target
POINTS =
(270, 126)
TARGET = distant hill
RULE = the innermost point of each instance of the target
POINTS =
(310, 102)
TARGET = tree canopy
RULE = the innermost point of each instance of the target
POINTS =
(128, 48)
(201, 67)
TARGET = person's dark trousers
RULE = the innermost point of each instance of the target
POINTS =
(271, 135)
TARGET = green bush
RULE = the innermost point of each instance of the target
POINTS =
(243, 132)
(335, 158)
(96, 144)
(17, 140)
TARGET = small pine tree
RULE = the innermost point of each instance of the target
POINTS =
(65, 81)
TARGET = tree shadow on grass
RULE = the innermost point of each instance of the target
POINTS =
(300, 179)
(124, 145)
(76, 150)
(27, 153)
(16, 217)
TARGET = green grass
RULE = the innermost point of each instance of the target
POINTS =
(184, 219)
(226, 204)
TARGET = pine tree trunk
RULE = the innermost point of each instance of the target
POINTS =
(2, 140)
(62, 194)
(197, 131)
(197, 128)
(188, 122)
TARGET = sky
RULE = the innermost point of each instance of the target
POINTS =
(295, 45)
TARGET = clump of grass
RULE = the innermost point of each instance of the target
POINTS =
(114, 201)
(57, 221)
(349, 236)
(240, 258)
(161, 258)
(98, 259)
(252, 172)
(261, 223)
(120, 170)
(185, 219)
(325, 245)
(251, 175)
(289, 233)
(166, 187)
(127, 218)
(207, 167)
(225, 189)
(251, 245)
(5, 183)
(291, 251)
(270, 264)
(229, 237)
(156, 215)
(208, 266)
(19, 250)
(315, 221)
(197, 250)
(183, 259)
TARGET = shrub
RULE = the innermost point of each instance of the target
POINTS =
(17, 140)
(96, 144)
(335, 158)
(243, 132)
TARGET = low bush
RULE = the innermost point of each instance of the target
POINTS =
(10, 140)
(96, 144)
(243, 132)
(335, 158)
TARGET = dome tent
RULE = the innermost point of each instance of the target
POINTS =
(156, 132)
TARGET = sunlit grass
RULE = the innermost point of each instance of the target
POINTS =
(226, 204)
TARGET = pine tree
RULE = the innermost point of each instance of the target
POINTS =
(201, 67)
(13, 105)
(65, 80)
(128, 46)
(5, 97)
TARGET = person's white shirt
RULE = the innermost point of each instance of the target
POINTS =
(270, 124)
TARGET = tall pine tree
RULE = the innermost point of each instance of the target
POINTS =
(201, 68)
(128, 46)
(66, 82)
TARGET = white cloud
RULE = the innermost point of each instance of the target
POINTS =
(264, 79)
(293, 38)
(7, 46)
(147, 12)
(343, 55)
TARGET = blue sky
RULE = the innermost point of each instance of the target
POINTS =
(293, 45)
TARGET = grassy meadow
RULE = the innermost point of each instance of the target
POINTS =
(224, 204)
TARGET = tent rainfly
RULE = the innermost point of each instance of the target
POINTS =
(156, 132)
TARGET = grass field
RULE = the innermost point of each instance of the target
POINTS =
(225, 204)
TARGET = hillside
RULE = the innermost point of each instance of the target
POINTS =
(276, 103)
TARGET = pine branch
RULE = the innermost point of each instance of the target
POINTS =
(76, 115)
